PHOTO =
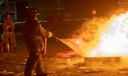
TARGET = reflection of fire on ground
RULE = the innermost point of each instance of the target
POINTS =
(102, 37)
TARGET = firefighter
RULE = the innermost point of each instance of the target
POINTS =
(35, 37)
(8, 31)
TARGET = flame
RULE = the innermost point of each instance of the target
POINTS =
(101, 37)
(114, 39)
(88, 36)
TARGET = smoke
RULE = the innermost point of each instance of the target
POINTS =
(85, 38)
(90, 33)
(101, 37)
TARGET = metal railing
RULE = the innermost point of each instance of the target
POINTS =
(1, 1)
(2, 8)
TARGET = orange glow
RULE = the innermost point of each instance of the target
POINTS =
(114, 39)
(88, 37)
(93, 12)
(102, 37)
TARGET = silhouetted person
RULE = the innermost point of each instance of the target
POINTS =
(35, 36)
(8, 35)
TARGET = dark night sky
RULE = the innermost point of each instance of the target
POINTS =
(78, 8)
(81, 7)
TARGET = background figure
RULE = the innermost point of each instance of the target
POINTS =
(35, 36)
(8, 35)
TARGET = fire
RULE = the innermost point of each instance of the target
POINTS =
(114, 39)
(101, 37)
(77, 41)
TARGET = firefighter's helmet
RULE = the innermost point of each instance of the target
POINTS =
(33, 12)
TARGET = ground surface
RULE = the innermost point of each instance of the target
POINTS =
(59, 61)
